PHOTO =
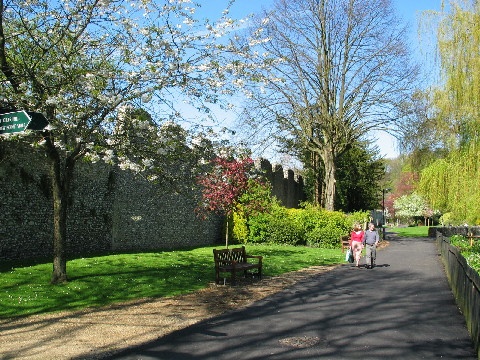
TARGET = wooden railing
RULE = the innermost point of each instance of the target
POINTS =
(465, 285)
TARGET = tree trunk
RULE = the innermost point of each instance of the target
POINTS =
(328, 196)
(226, 235)
(317, 181)
(59, 274)
(61, 179)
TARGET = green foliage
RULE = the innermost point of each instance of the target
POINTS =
(278, 227)
(459, 241)
(312, 175)
(257, 199)
(458, 100)
(258, 226)
(312, 226)
(360, 217)
(452, 184)
(470, 253)
(421, 136)
(473, 259)
(359, 173)
(448, 219)
(99, 281)
(239, 228)
(323, 228)
(434, 183)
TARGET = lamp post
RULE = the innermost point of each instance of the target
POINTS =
(383, 210)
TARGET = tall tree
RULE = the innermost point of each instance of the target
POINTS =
(458, 99)
(85, 64)
(450, 184)
(336, 70)
(446, 116)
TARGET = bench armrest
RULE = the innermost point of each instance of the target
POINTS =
(259, 257)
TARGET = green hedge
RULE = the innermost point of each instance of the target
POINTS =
(310, 226)
(278, 227)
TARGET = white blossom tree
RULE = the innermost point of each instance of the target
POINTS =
(410, 206)
(88, 65)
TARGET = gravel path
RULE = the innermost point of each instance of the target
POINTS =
(86, 334)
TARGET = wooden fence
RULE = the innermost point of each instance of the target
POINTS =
(465, 285)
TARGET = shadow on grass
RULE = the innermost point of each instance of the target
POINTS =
(100, 281)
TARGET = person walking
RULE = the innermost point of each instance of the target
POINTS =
(356, 243)
(370, 240)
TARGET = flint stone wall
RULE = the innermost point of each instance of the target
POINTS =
(110, 210)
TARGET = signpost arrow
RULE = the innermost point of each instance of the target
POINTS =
(19, 121)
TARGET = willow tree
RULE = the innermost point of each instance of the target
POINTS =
(336, 71)
(86, 64)
(458, 97)
(445, 115)
(451, 184)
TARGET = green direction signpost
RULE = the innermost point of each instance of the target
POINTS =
(19, 121)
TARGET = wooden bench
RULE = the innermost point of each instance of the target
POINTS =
(345, 242)
(235, 260)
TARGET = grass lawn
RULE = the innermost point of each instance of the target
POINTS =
(412, 231)
(98, 281)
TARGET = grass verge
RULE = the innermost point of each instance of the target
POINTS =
(104, 280)
(412, 231)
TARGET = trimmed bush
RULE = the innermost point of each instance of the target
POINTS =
(327, 229)
(311, 226)
(277, 227)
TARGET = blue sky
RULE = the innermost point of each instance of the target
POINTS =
(409, 10)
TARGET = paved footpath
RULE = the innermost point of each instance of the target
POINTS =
(402, 309)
